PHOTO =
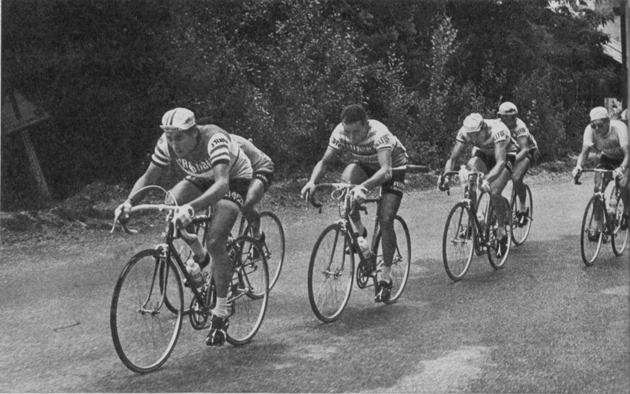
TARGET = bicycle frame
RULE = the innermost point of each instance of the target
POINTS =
(471, 181)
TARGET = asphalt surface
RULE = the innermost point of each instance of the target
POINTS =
(545, 323)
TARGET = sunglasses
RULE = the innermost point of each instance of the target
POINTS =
(598, 124)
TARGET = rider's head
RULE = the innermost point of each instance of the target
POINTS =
(507, 113)
(355, 122)
(599, 120)
(474, 123)
(180, 130)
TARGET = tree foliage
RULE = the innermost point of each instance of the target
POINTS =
(279, 71)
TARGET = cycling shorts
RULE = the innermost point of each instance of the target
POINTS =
(236, 193)
(394, 185)
(265, 177)
(609, 163)
(490, 161)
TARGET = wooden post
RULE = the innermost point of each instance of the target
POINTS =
(36, 169)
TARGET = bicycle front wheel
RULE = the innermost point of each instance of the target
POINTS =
(249, 291)
(144, 331)
(330, 273)
(458, 242)
(619, 237)
(521, 218)
(498, 250)
(592, 233)
(401, 261)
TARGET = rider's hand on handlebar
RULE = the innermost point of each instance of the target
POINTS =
(358, 194)
(442, 183)
(618, 172)
(184, 215)
(577, 171)
(485, 186)
(121, 213)
(307, 190)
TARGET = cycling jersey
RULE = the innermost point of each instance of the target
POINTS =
(261, 163)
(484, 141)
(609, 144)
(214, 146)
(378, 138)
(521, 130)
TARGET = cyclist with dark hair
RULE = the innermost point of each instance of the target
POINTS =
(609, 137)
(218, 176)
(494, 154)
(526, 156)
(375, 151)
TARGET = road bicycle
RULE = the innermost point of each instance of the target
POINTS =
(521, 219)
(471, 228)
(598, 225)
(273, 242)
(147, 306)
(331, 270)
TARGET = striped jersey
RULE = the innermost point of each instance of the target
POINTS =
(260, 161)
(214, 146)
(521, 130)
(609, 144)
(485, 139)
(378, 138)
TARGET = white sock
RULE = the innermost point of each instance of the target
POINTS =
(221, 309)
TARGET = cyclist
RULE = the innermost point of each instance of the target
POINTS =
(262, 167)
(375, 151)
(610, 138)
(493, 154)
(218, 176)
(526, 157)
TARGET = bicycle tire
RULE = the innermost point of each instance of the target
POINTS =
(459, 239)
(497, 260)
(330, 269)
(274, 245)
(520, 231)
(143, 337)
(591, 245)
(249, 291)
(619, 237)
(188, 295)
(401, 263)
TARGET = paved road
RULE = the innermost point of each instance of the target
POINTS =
(544, 323)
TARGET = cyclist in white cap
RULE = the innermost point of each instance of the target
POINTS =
(610, 138)
(526, 157)
(494, 154)
(218, 176)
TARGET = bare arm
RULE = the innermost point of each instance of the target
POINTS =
(319, 170)
(216, 192)
(384, 173)
(458, 149)
(150, 177)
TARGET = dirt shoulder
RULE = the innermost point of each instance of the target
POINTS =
(90, 212)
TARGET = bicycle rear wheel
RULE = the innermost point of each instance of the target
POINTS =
(144, 331)
(619, 237)
(458, 242)
(521, 219)
(498, 253)
(592, 233)
(273, 244)
(401, 262)
(330, 273)
(249, 291)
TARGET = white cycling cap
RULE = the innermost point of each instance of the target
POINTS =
(599, 113)
(178, 119)
(473, 123)
(507, 108)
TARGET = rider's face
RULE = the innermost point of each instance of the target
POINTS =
(509, 120)
(600, 126)
(182, 142)
(356, 131)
